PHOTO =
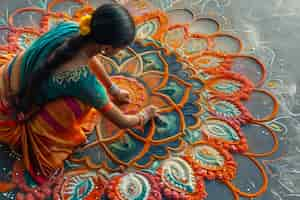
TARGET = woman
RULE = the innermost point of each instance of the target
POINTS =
(50, 94)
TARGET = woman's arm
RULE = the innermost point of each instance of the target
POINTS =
(115, 115)
(98, 69)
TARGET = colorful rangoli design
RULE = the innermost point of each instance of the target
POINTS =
(197, 81)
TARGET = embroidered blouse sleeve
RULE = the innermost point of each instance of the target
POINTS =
(94, 93)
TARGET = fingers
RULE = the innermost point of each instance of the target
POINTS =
(148, 113)
(123, 96)
(126, 98)
(152, 111)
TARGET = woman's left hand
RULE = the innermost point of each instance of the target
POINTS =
(122, 96)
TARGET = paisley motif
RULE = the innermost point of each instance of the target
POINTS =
(133, 186)
(212, 62)
(228, 109)
(225, 108)
(147, 29)
(208, 157)
(79, 188)
(225, 133)
(83, 186)
(227, 86)
(211, 161)
(220, 129)
(179, 181)
(179, 175)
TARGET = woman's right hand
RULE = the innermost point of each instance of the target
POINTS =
(129, 121)
(147, 114)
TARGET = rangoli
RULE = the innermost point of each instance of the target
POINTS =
(192, 77)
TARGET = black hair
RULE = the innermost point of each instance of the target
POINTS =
(111, 24)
